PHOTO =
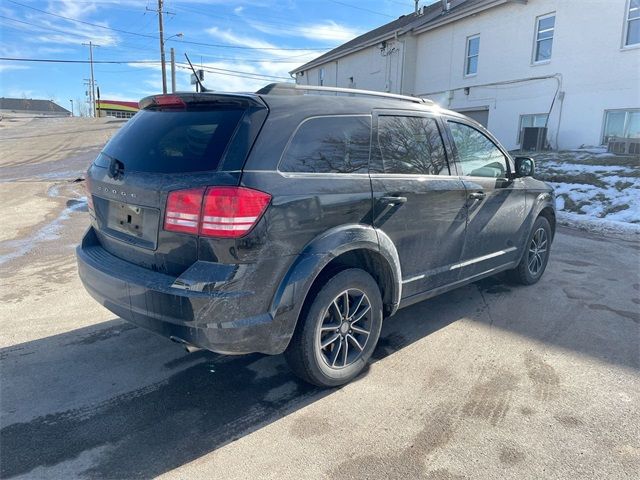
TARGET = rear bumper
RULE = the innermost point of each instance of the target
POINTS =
(217, 319)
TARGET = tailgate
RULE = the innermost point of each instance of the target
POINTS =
(159, 151)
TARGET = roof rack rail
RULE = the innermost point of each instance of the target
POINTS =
(294, 89)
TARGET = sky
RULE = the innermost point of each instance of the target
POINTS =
(246, 44)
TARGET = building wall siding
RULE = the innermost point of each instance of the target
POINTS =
(589, 70)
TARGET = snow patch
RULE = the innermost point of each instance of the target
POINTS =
(598, 225)
(605, 196)
(47, 233)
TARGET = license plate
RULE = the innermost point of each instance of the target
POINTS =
(128, 219)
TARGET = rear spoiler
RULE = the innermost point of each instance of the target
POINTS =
(183, 100)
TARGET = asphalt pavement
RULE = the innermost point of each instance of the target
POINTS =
(489, 381)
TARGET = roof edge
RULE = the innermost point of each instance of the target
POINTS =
(463, 13)
(342, 53)
(450, 17)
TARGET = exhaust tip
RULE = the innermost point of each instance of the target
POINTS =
(188, 347)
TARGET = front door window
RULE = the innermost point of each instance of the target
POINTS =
(477, 154)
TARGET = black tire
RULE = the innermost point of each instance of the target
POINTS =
(524, 273)
(318, 321)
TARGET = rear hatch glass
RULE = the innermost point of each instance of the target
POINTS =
(173, 141)
(201, 143)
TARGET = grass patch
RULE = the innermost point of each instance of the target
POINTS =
(585, 158)
(569, 204)
(572, 206)
(620, 185)
(616, 208)
(601, 197)
(582, 178)
(635, 173)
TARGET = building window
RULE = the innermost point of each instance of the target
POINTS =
(545, 26)
(622, 124)
(473, 51)
(532, 120)
(321, 77)
(632, 35)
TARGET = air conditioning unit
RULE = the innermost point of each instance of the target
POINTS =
(630, 146)
(534, 138)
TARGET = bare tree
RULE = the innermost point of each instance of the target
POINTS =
(83, 108)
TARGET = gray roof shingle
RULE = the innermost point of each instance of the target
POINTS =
(31, 105)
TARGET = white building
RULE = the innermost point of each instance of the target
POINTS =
(572, 65)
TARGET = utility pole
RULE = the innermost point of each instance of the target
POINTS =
(93, 82)
(87, 83)
(98, 102)
(162, 61)
(173, 70)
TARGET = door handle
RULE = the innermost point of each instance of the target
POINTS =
(477, 195)
(393, 200)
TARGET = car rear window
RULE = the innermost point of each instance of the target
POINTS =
(174, 141)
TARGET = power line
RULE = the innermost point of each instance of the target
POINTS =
(265, 20)
(65, 32)
(357, 8)
(232, 74)
(216, 45)
(78, 35)
(150, 49)
(81, 21)
(249, 60)
(221, 71)
(242, 47)
(54, 60)
(216, 69)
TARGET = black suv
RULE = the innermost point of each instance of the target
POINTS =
(290, 220)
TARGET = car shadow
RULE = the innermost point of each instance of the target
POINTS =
(138, 406)
(201, 402)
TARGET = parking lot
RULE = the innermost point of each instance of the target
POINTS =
(488, 381)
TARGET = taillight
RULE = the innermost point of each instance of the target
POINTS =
(169, 101)
(183, 210)
(231, 211)
(228, 212)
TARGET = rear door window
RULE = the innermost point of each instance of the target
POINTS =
(336, 144)
(411, 145)
(174, 141)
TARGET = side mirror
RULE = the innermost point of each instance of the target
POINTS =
(525, 167)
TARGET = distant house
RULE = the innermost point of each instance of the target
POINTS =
(116, 108)
(31, 106)
(568, 66)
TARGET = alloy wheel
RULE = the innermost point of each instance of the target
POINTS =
(345, 329)
(537, 252)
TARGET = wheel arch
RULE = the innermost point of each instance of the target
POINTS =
(350, 246)
(549, 213)
(372, 262)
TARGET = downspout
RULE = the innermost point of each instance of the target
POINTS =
(400, 62)
(561, 98)
(404, 54)
(387, 74)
